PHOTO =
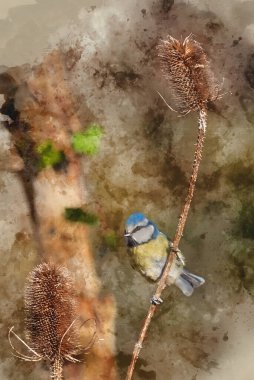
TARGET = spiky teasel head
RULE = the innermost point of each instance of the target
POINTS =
(51, 310)
(187, 69)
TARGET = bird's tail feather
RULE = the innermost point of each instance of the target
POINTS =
(187, 282)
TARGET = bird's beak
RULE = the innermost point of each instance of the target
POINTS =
(126, 235)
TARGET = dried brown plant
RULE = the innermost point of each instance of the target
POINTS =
(186, 68)
(52, 331)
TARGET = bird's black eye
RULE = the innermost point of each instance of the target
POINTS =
(136, 229)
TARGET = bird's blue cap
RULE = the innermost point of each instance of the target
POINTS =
(135, 218)
(138, 218)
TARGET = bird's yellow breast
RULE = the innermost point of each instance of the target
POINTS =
(150, 258)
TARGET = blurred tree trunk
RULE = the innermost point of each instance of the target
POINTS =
(40, 103)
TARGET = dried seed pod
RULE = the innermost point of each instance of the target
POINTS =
(51, 312)
(52, 324)
(186, 67)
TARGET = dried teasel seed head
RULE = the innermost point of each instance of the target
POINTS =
(51, 309)
(187, 69)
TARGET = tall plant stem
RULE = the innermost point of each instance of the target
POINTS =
(176, 241)
(56, 369)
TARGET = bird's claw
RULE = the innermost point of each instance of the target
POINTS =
(178, 253)
(173, 249)
(156, 300)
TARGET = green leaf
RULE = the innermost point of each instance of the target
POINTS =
(48, 155)
(74, 214)
(88, 141)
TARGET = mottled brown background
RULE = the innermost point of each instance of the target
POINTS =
(144, 164)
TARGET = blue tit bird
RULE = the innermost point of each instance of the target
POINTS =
(149, 249)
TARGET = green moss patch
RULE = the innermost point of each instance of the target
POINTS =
(78, 215)
(88, 141)
(49, 156)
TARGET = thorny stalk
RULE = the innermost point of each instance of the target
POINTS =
(177, 238)
(56, 369)
(185, 66)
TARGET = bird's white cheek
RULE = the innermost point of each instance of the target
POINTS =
(144, 234)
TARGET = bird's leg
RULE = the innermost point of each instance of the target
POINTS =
(155, 300)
